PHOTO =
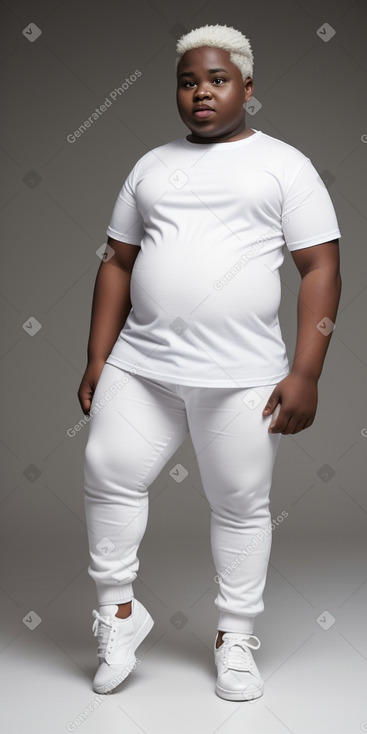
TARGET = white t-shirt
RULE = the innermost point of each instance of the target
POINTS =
(212, 220)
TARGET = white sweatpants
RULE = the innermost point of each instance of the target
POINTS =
(136, 424)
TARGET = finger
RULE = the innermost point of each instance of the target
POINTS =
(281, 423)
(299, 426)
(294, 424)
(278, 426)
(275, 415)
(86, 403)
(302, 424)
(291, 426)
(271, 403)
(280, 420)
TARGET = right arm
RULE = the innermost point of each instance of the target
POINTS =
(110, 309)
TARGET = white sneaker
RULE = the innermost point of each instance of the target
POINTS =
(117, 641)
(238, 676)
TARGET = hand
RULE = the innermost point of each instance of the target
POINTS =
(297, 395)
(88, 384)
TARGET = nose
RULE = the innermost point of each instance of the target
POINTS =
(202, 91)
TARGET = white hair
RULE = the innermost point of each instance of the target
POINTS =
(219, 36)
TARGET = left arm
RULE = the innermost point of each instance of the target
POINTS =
(318, 298)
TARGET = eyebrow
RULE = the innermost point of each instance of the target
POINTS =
(211, 71)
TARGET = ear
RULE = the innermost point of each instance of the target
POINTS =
(248, 88)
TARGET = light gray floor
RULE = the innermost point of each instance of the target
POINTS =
(315, 678)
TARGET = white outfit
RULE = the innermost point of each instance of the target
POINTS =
(200, 352)
(212, 220)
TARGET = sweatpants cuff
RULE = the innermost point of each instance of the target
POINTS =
(228, 622)
(114, 594)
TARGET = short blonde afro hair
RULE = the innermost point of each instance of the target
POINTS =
(219, 36)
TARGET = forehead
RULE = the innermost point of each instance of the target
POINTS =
(205, 58)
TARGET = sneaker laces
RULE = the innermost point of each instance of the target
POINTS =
(102, 627)
(236, 654)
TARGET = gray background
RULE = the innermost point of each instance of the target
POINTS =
(55, 205)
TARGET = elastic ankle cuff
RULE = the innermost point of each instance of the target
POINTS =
(114, 594)
(235, 623)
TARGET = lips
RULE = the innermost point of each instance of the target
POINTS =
(202, 111)
(202, 107)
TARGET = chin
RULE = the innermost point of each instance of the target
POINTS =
(202, 133)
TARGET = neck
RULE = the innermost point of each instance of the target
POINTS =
(244, 133)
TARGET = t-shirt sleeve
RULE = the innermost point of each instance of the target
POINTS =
(126, 224)
(308, 214)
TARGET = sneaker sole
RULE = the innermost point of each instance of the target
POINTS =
(237, 695)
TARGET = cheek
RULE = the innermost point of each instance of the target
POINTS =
(229, 104)
(183, 103)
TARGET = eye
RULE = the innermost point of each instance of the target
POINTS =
(217, 79)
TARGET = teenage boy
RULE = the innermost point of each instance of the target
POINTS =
(185, 338)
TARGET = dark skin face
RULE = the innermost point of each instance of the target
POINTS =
(224, 91)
